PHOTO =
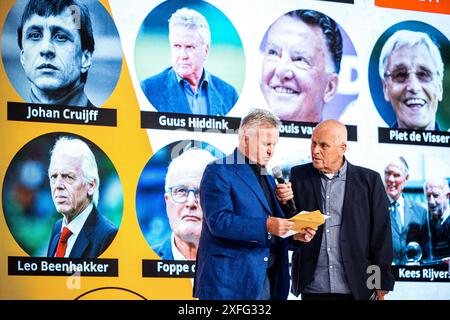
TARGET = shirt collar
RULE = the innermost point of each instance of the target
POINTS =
(445, 215)
(400, 201)
(177, 255)
(256, 168)
(76, 97)
(77, 224)
(341, 173)
(204, 80)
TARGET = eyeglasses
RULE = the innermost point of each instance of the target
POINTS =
(180, 194)
(401, 76)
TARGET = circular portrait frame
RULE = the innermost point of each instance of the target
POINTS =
(349, 75)
(105, 69)
(225, 59)
(383, 107)
(27, 200)
(150, 195)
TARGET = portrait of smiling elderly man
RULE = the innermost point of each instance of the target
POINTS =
(56, 44)
(302, 57)
(412, 71)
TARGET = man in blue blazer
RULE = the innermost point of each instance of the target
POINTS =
(82, 232)
(187, 87)
(408, 219)
(351, 256)
(241, 254)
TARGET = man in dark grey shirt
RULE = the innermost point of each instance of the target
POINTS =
(329, 275)
(356, 239)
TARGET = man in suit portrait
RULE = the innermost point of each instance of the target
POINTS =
(357, 235)
(56, 45)
(82, 232)
(183, 205)
(412, 71)
(241, 254)
(186, 86)
(437, 192)
(408, 219)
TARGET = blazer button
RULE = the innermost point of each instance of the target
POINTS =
(266, 259)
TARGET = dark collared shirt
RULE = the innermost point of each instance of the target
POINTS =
(198, 101)
(261, 176)
(329, 276)
(76, 97)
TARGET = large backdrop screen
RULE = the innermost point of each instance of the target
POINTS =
(142, 110)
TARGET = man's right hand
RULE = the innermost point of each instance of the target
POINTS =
(284, 192)
(278, 226)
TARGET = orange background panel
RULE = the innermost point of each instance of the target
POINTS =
(437, 6)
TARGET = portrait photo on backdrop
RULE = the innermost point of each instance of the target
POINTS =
(437, 193)
(408, 219)
(412, 71)
(64, 48)
(307, 58)
(82, 232)
(408, 79)
(61, 183)
(182, 193)
(167, 198)
(188, 86)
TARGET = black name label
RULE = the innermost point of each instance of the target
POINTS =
(216, 124)
(425, 273)
(414, 137)
(30, 266)
(295, 129)
(18, 111)
(189, 122)
(168, 269)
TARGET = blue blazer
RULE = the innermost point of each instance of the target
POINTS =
(234, 245)
(164, 250)
(414, 229)
(95, 236)
(166, 94)
(365, 237)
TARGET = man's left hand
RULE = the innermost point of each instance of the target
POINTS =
(305, 235)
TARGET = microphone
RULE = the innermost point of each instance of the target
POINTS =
(279, 177)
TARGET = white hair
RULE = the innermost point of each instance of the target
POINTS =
(191, 20)
(401, 163)
(188, 166)
(409, 39)
(442, 183)
(78, 149)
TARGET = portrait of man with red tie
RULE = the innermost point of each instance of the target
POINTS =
(82, 232)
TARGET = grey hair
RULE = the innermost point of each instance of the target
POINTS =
(259, 117)
(401, 162)
(191, 20)
(78, 149)
(409, 39)
(437, 181)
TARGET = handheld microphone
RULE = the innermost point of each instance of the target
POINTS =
(279, 177)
